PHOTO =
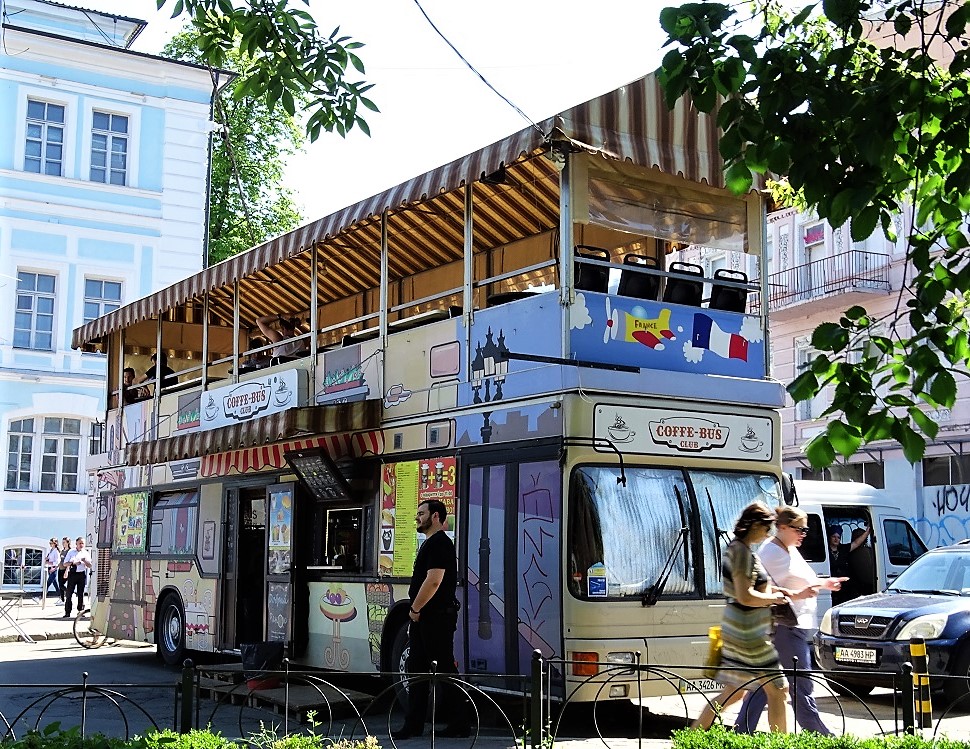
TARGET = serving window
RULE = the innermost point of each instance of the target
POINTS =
(175, 522)
(340, 537)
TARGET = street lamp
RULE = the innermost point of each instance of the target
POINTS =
(478, 372)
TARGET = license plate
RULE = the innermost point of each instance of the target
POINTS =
(856, 655)
(694, 686)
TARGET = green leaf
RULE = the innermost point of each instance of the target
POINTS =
(913, 444)
(864, 223)
(924, 422)
(943, 389)
(738, 178)
(819, 451)
(804, 387)
(843, 438)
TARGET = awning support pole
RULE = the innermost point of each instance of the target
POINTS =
(235, 331)
(205, 340)
(314, 322)
(157, 397)
(468, 293)
(384, 280)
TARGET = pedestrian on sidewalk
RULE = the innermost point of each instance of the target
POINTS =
(62, 572)
(790, 573)
(78, 564)
(53, 563)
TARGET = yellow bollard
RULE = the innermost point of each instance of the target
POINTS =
(921, 682)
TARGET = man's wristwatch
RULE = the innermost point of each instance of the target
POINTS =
(414, 612)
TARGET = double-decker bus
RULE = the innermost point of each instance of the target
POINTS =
(510, 333)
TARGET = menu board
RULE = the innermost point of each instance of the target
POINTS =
(403, 487)
(131, 517)
(280, 527)
(278, 612)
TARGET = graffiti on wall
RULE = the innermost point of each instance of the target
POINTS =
(946, 515)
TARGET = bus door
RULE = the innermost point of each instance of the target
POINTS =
(244, 572)
(512, 604)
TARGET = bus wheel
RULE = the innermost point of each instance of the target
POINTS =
(170, 632)
(399, 662)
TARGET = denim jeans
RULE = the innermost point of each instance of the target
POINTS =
(790, 642)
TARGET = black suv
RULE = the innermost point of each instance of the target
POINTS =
(863, 643)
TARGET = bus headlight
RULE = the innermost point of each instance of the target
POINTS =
(928, 627)
(625, 658)
(826, 625)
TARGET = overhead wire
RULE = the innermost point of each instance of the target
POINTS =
(475, 71)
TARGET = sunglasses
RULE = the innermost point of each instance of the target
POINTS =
(802, 530)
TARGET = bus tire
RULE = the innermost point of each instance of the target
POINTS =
(399, 655)
(170, 631)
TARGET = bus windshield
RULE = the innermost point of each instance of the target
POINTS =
(624, 540)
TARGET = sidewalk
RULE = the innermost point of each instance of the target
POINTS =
(41, 622)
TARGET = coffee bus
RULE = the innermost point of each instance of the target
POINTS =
(511, 333)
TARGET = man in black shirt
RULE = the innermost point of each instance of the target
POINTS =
(434, 618)
(160, 371)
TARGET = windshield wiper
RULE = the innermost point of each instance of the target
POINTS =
(719, 533)
(652, 594)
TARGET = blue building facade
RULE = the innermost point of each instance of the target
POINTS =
(103, 177)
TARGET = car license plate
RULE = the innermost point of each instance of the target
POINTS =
(855, 655)
(694, 686)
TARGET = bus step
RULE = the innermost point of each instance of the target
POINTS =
(325, 701)
(231, 673)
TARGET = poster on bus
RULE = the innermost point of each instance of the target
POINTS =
(131, 517)
(403, 487)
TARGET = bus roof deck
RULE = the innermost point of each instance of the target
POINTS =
(538, 265)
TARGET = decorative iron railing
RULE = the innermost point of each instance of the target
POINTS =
(854, 270)
(323, 704)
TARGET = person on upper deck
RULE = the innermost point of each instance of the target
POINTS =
(288, 349)
(160, 370)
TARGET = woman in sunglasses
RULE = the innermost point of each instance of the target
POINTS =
(749, 661)
(791, 573)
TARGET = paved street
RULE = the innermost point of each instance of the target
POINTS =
(32, 671)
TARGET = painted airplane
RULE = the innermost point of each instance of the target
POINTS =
(648, 332)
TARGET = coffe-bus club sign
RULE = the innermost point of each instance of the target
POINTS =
(655, 431)
(252, 399)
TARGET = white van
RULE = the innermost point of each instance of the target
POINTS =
(850, 507)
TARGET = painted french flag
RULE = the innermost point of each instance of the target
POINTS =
(708, 335)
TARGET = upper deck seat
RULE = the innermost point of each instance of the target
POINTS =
(591, 277)
(639, 285)
(685, 285)
(729, 298)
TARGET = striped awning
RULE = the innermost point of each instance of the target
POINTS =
(294, 422)
(631, 123)
(270, 457)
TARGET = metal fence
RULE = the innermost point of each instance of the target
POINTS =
(855, 270)
(327, 704)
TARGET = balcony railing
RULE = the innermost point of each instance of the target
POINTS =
(849, 271)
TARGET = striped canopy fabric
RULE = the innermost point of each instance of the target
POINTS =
(631, 123)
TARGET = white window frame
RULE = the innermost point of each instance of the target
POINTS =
(22, 571)
(106, 106)
(33, 312)
(60, 439)
(809, 410)
(51, 96)
(101, 301)
(45, 140)
(110, 136)
(40, 465)
(20, 452)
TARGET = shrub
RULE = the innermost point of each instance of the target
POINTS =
(719, 737)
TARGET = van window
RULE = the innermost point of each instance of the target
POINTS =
(903, 544)
(813, 547)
